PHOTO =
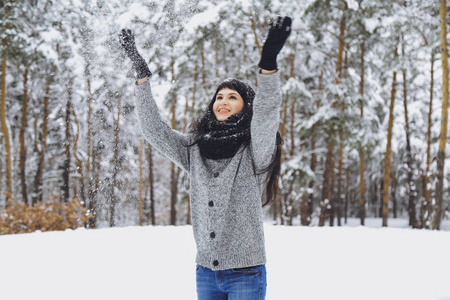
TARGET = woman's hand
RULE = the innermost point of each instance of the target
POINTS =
(277, 36)
(126, 39)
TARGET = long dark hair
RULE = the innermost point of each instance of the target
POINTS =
(272, 187)
(199, 127)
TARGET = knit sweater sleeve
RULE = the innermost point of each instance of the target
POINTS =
(158, 133)
(265, 119)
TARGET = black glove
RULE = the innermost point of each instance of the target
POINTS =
(278, 34)
(126, 38)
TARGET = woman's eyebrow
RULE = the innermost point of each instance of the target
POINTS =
(232, 93)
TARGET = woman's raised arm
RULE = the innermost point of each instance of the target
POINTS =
(170, 143)
(267, 101)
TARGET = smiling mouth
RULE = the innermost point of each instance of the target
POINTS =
(223, 110)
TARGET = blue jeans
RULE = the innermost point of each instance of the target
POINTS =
(232, 284)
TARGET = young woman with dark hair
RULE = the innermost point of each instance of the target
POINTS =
(232, 155)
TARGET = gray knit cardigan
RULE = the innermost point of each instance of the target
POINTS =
(225, 194)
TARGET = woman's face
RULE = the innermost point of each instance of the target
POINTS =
(228, 102)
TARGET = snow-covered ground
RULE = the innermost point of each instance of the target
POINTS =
(331, 263)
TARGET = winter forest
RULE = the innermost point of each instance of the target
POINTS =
(363, 120)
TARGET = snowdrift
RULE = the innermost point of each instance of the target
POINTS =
(158, 263)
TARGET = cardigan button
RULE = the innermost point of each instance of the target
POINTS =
(212, 235)
(216, 174)
(215, 263)
(211, 204)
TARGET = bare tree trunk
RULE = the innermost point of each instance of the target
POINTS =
(304, 209)
(1, 166)
(292, 129)
(41, 153)
(5, 130)
(88, 138)
(327, 185)
(173, 167)
(425, 208)
(394, 182)
(287, 207)
(275, 206)
(371, 199)
(93, 192)
(380, 209)
(92, 205)
(96, 167)
(306, 205)
(66, 167)
(113, 198)
(151, 180)
(23, 127)
(347, 195)
(333, 196)
(338, 205)
(387, 160)
(436, 222)
(173, 194)
(362, 183)
(141, 182)
(78, 160)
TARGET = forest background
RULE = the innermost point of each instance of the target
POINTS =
(363, 118)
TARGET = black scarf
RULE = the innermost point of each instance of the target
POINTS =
(223, 139)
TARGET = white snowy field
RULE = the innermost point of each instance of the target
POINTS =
(331, 263)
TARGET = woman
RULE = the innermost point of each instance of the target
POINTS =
(232, 156)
